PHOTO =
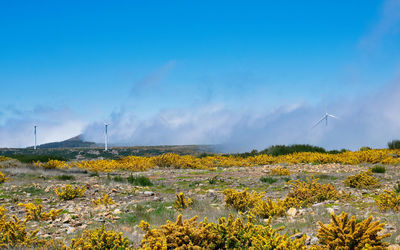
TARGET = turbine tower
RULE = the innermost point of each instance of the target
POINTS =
(34, 133)
(105, 136)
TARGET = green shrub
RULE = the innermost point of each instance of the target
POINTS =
(139, 180)
(35, 158)
(378, 169)
(65, 177)
(395, 144)
(268, 180)
(284, 150)
(118, 178)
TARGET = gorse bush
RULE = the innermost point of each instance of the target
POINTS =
(279, 171)
(228, 233)
(140, 180)
(100, 239)
(389, 200)
(361, 180)
(181, 202)
(13, 233)
(395, 144)
(253, 202)
(35, 212)
(378, 169)
(305, 193)
(4, 158)
(343, 233)
(106, 200)
(2, 178)
(51, 164)
(69, 192)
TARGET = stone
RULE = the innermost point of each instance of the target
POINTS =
(296, 236)
(148, 193)
(117, 211)
(292, 211)
(330, 210)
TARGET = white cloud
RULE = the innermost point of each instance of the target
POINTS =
(16, 127)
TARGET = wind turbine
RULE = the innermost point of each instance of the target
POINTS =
(106, 136)
(325, 117)
(34, 133)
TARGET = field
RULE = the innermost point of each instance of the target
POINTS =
(295, 191)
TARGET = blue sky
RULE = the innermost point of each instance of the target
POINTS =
(84, 62)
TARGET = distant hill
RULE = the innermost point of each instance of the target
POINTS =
(74, 142)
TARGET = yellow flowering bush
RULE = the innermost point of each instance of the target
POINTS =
(106, 200)
(181, 202)
(2, 178)
(13, 233)
(253, 202)
(343, 233)
(35, 212)
(4, 158)
(362, 180)
(280, 171)
(305, 193)
(69, 192)
(51, 164)
(171, 160)
(100, 239)
(228, 233)
(389, 200)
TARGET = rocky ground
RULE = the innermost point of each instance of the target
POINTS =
(155, 203)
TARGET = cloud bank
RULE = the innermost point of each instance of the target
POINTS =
(53, 125)
(365, 121)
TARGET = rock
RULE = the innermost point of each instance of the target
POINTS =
(296, 236)
(67, 219)
(292, 212)
(398, 238)
(394, 247)
(117, 211)
(148, 193)
(70, 230)
(330, 210)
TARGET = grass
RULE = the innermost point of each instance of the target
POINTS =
(118, 179)
(268, 180)
(65, 177)
(33, 190)
(155, 213)
(378, 169)
(94, 174)
(139, 181)
(326, 177)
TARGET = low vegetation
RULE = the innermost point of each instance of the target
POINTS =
(389, 200)
(378, 169)
(2, 178)
(99, 239)
(228, 233)
(140, 180)
(306, 193)
(344, 233)
(35, 212)
(69, 192)
(182, 202)
(362, 180)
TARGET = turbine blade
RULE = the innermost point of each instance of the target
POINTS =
(323, 118)
(333, 116)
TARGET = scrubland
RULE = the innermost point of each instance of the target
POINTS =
(293, 201)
